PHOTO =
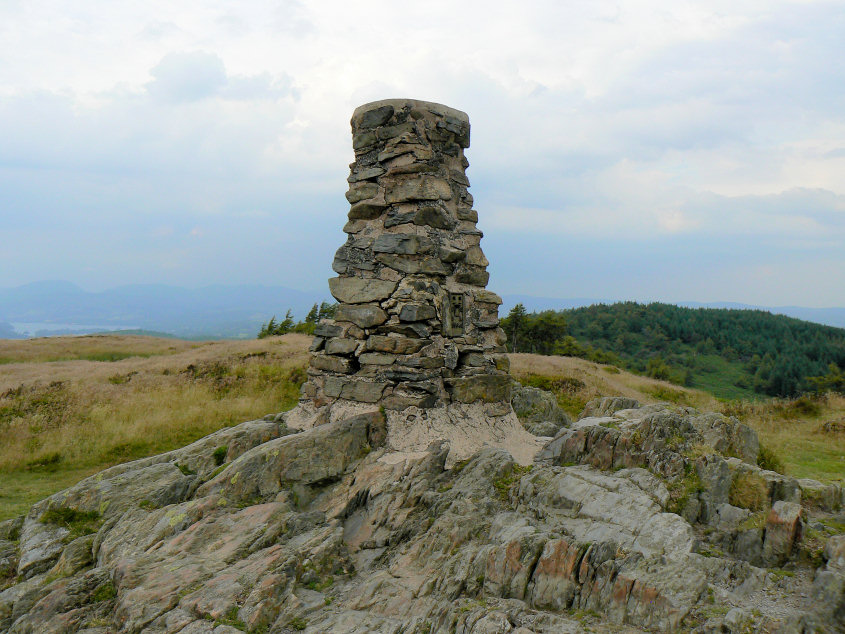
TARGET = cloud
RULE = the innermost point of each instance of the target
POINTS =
(185, 77)
(646, 150)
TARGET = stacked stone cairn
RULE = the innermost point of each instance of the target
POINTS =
(415, 326)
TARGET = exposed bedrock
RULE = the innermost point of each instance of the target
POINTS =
(328, 530)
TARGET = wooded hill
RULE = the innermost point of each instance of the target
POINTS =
(731, 353)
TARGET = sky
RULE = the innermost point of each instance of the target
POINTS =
(650, 151)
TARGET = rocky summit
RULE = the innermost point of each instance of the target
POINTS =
(650, 518)
(418, 489)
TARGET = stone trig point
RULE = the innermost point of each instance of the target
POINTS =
(416, 332)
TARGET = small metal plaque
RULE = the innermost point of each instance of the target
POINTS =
(455, 314)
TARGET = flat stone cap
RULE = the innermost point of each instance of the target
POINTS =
(398, 104)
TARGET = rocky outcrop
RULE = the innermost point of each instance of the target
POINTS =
(538, 410)
(331, 530)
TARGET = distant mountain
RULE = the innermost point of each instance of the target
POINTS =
(227, 311)
(7, 331)
(210, 311)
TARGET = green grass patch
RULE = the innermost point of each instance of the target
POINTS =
(78, 522)
(567, 390)
(681, 490)
(769, 460)
(671, 395)
(504, 484)
(219, 455)
(231, 619)
(105, 592)
(755, 521)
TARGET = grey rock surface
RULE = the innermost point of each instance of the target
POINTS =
(538, 410)
(325, 530)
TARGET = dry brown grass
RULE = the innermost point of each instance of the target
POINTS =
(748, 491)
(794, 431)
(75, 417)
(89, 347)
(605, 380)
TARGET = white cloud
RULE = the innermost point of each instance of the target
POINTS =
(183, 77)
(592, 121)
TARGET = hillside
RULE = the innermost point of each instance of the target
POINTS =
(729, 353)
(70, 406)
(635, 518)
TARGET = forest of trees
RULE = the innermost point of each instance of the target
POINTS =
(729, 352)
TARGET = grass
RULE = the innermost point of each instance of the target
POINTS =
(576, 381)
(791, 431)
(104, 347)
(61, 421)
(79, 523)
(748, 491)
(64, 416)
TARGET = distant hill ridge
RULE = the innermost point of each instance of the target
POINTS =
(730, 353)
(237, 311)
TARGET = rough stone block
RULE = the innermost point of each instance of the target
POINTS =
(363, 139)
(399, 401)
(402, 244)
(403, 264)
(450, 254)
(341, 346)
(420, 188)
(434, 216)
(475, 257)
(332, 364)
(328, 330)
(433, 266)
(376, 358)
(367, 210)
(396, 345)
(354, 389)
(362, 315)
(393, 131)
(417, 312)
(365, 174)
(361, 191)
(375, 117)
(395, 218)
(356, 290)
(488, 388)
(472, 275)
(783, 530)
(487, 297)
